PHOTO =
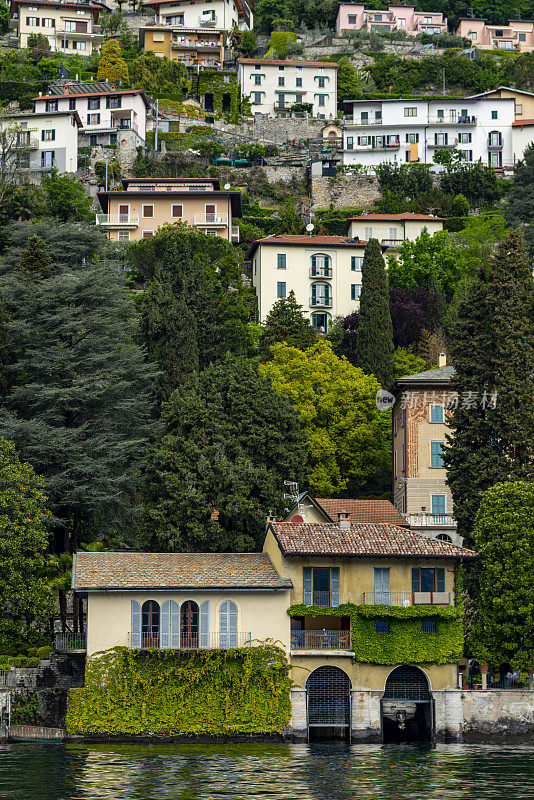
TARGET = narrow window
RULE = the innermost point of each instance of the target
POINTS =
(438, 503)
(281, 261)
(436, 413)
(428, 626)
(281, 289)
(436, 454)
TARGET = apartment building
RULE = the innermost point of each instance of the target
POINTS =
(145, 204)
(192, 47)
(392, 229)
(70, 27)
(518, 35)
(222, 15)
(420, 489)
(275, 86)
(34, 143)
(106, 113)
(413, 130)
(355, 17)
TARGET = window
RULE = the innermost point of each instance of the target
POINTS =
(32, 22)
(395, 464)
(425, 579)
(150, 624)
(464, 138)
(495, 139)
(72, 104)
(320, 265)
(473, 35)
(114, 102)
(378, 17)
(395, 426)
(281, 261)
(48, 158)
(281, 81)
(257, 66)
(124, 236)
(72, 26)
(441, 138)
(299, 98)
(257, 97)
(281, 100)
(321, 100)
(401, 22)
(148, 211)
(428, 20)
(298, 69)
(522, 37)
(365, 118)
(393, 234)
(78, 45)
(444, 537)
(467, 154)
(350, 142)
(51, 106)
(93, 119)
(48, 136)
(177, 210)
(355, 289)
(403, 457)
(281, 69)
(93, 140)
(382, 626)
(356, 263)
(440, 114)
(281, 289)
(403, 417)
(499, 33)
(47, 22)
(411, 111)
(113, 138)
(436, 454)
(437, 502)
(228, 617)
(148, 234)
(321, 586)
(299, 82)
(428, 626)
(518, 108)
(437, 413)
(494, 115)
(24, 138)
(352, 19)
(257, 80)
(93, 103)
(412, 138)
(321, 82)
(368, 234)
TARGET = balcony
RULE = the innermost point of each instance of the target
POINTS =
(321, 302)
(405, 599)
(320, 272)
(320, 640)
(28, 144)
(234, 233)
(431, 520)
(455, 119)
(213, 220)
(194, 641)
(392, 242)
(443, 145)
(212, 20)
(493, 145)
(70, 642)
(118, 220)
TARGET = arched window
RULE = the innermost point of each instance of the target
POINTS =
(319, 320)
(321, 266)
(150, 624)
(328, 690)
(189, 625)
(321, 296)
(407, 683)
(228, 624)
(444, 537)
(495, 139)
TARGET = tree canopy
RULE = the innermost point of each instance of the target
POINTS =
(112, 67)
(285, 322)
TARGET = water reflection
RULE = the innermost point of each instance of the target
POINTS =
(268, 771)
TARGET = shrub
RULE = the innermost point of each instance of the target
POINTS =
(44, 652)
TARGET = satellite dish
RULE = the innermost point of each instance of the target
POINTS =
(310, 226)
(226, 185)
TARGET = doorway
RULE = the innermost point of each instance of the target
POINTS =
(328, 698)
(189, 625)
(407, 707)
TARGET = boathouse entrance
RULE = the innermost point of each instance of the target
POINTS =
(328, 703)
(407, 707)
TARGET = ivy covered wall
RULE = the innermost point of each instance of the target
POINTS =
(171, 692)
(405, 643)
(220, 83)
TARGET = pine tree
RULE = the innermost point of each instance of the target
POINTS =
(492, 351)
(35, 258)
(374, 337)
(519, 204)
(285, 322)
(112, 67)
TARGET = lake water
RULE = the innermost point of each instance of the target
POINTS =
(270, 771)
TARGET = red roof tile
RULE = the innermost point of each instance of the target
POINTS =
(129, 571)
(407, 215)
(293, 238)
(363, 510)
(287, 63)
(362, 539)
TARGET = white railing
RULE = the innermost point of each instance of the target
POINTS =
(392, 242)
(131, 220)
(192, 641)
(322, 302)
(70, 641)
(320, 640)
(424, 520)
(406, 599)
(208, 20)
(211, 219)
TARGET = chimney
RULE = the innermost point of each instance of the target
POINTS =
(270, 518)
(442, 360)
(343, 519)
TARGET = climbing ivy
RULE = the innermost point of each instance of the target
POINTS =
(219, 83)
(169, 692)
(405, 643)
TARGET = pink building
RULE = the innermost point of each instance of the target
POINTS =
(517, 35)
(355, 17)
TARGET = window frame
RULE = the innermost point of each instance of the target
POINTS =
(431, 407)
(439, 455)
(143, 207)
(281, 261)
(281, 290)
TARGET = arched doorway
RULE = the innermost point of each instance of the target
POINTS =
(328, 696)
(150, 624)
(407, 707)
(189, 625)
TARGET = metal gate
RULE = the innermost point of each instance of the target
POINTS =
(328, 694)
(407, 683)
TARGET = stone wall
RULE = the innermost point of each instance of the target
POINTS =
(61, 670)
(271, 130)
(508, 712)
(283, 172)
(347, 191)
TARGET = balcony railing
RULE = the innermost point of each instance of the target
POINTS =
(392, 242)
(406, 599)
(451, 144)
(320, 272)
(194, 641)
(321, 599)
(321, 302)
(211, 219)
(320, 640)
(212, 20)
(118, 220)
(493, 145)
(65, 642)
(430, 520)
(456, 119)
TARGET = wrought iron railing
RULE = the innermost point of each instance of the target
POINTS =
(70, 641)
(320, 640)
(190, 641)
(321, 599)
(406, 598)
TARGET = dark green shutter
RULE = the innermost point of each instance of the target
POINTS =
(416, 579)
(440, 579)
(307, 585)
(334, 586)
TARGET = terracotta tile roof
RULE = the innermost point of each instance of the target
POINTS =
(287, 63)
(407, 215)
(69, 96)
(363, 510)
(520, 122)
(309, 241)
(94, 571)
(372, 540)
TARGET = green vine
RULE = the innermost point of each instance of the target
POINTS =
(219, 83)
(168, 692)
(405, 643)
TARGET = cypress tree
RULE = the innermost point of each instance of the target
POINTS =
(492, 348)
(374, 337)
(285, 322)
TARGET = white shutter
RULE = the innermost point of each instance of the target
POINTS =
(232, 624)
(223, 625)
(135, 634)
(204, 623)
(175, 625)
(165, 630)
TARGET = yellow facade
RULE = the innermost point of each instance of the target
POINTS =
(188, 45)
(369, 677)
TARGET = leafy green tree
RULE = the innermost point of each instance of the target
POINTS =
(374, 337)
(290, 220)
(504, 538)
(492, 348)
(159, 76)
(4, 18)
(111, 66)
(25, 600)
(349, 440)
(65, 197)
(35, 259)
(478, 183)
(406, 181)
(229, 442)
(407, 362)
(449, 159)
(80, 404)
(349, 85)
(267, 11)
(429, 262)
(519, 203)
(285, 322)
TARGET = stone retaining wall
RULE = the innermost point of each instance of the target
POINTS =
(344, 191)
(505, 712)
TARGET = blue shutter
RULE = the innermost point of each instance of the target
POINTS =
(438, 504)
(334, 586)
(135, 634)
(307, 586)
(232, 624)
(223, 625)
(204, 624)
(440, 579)
(165, 630)
(353, 263)
(175, 626)
(416, 579)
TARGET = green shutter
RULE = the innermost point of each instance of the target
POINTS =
(335, 597)
(416, 579)
(440, 579)
(307, 586)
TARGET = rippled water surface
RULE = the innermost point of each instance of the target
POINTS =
(271, 771)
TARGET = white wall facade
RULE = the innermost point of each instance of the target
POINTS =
(69, 28)
(401, 131)
(210, 14)
(45, 141)
(100, 112)
(274, 86)
(392, 229)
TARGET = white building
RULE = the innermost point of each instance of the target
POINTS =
(69, 27)
(34, 143)
(410, 130)
(274, 86)
(206, 14)
(392, 230)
